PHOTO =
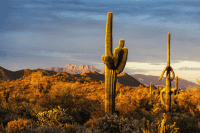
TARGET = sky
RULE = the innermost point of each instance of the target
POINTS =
(54, 33)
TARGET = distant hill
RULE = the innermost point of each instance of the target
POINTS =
(147, 79)
(89, 71)
(10, 75)
(123, 78)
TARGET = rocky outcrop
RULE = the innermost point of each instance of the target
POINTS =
(74, 69)
(55, 69)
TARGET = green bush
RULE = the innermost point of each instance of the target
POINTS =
(55, 117)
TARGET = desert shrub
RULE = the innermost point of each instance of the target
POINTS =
(47, 129)
(69, 128)
(95, 114)
(112, 124)
(27, 111)
(175, 108)
(55, 117)
(89, 123)
(165, 123)
(186, 123)
(80, 116)
(78, 107)
(144, 102)
(10, 117)
(109, 124)
(139, 114)
(84, 129)
(33, 112)
(18, 125)
(158, 108)
(172, 122)
(162, 125)
(3, 113)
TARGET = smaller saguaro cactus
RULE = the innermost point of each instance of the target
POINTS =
(38, 83)
(176, 86)
(158, 90)
(151, 87)
(6, 92)
(22, 83)
(15, 98)
(169, 69)
(140, 85)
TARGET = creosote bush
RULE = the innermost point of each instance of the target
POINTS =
(55, 117)
(112, 124)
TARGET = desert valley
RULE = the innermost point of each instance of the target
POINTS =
(72, 99)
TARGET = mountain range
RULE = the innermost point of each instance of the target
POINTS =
(89, 71)
(73, 69)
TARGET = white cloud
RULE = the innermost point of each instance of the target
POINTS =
(188, 64)
(156, 70)
(161, 66)
(144, 66)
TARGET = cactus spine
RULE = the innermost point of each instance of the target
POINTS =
(114, 64)
(168, 79)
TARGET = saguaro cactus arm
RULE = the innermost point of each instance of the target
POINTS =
(173, 91)
(167, 67)
(161, 96)
(108, 61)
(118, 60)
(120, 57)
(117, 52)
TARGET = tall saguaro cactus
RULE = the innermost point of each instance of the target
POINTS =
(114, 64)
(168, 79)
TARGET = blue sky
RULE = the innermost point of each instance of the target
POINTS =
(54, 33)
